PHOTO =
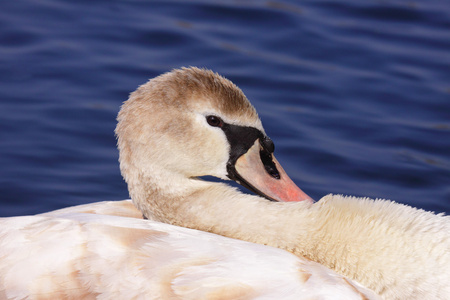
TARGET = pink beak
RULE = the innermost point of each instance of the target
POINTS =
(252, 170)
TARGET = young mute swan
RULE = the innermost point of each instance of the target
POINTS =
(191, 122)
(173, 130)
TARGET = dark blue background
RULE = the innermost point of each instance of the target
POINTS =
(355, 94)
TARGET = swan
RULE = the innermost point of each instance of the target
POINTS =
(190, 123)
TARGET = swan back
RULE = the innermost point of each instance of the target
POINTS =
(79, 254)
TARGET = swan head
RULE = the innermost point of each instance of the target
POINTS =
(192, 122)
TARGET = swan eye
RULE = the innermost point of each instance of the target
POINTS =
(214, 121)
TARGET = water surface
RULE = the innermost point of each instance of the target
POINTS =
(355, 94)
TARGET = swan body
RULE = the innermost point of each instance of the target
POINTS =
(190, 123)
(106, 250)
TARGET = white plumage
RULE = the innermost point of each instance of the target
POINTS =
(103, 251)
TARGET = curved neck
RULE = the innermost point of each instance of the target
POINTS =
(219, 208)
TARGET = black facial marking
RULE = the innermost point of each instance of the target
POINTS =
(241, 138)
(266, 156)
(269, 165)
(267, 144)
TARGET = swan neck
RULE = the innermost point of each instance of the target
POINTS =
(219, 208)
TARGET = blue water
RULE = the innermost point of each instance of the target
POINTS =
(355, 94)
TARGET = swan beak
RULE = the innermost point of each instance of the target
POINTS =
(260, 171)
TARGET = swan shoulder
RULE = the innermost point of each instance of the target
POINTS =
(77, 253)
(124, 208)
